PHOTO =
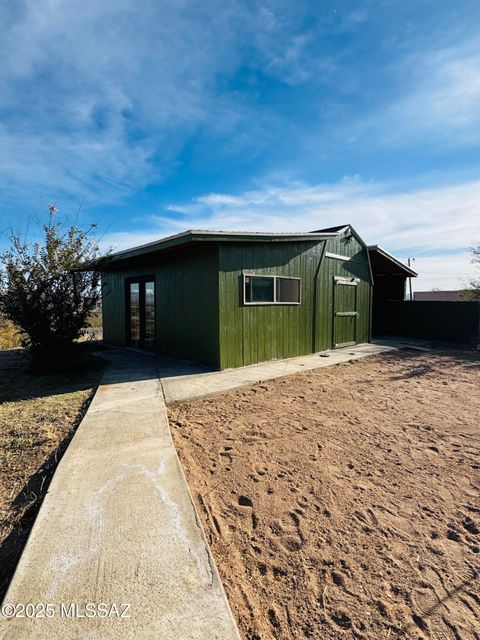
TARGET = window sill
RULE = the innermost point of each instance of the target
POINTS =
(272, 304)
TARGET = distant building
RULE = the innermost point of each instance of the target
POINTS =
(441, 296)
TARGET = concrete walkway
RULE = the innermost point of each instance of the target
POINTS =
(118, 526)
(179, 385)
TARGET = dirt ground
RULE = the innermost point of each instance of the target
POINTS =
(38, 416)
(344, 502)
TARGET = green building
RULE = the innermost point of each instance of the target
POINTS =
(233, 299)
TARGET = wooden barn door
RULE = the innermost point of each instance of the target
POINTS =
(345, 312)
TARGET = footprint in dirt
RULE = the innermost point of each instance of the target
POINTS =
(302, 502)
(245, 501)
(297, 523)
(382, 608)
(225, 456)
(425, 600)
(454, 535)
(216, 524)
(470, 526)
(433, 449)
(274, 619)
(338, 579)
(290, 543)
(366, 517)
(420, 622)
(279, 572)
(290, 535)
(341, 619)
(472, 509)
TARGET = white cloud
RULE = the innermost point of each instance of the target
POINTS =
(441, 218)
(98, 98)
(120, 240)
(436, 225)
(94, 94)
(437, 101)
(446, 98)
(442, 272)
(285, 45)
(70, 165)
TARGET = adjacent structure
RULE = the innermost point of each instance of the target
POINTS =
(233, 299)
(390, 277)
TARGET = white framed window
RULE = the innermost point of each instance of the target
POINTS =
(271, 289)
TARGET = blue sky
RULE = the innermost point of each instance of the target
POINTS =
(283, 116)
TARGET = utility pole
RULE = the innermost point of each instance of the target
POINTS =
(409, 261)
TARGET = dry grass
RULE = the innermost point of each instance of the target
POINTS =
(38, 416)
(9, 335)
(96, 320)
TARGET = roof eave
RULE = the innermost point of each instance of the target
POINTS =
(194, 235)
(386, 254)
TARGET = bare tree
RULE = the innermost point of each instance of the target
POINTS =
(473, 285)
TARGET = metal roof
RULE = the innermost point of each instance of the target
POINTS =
(335, 229)
(388, 256)
(195, 235)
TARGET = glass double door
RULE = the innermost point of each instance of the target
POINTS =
(141, 312)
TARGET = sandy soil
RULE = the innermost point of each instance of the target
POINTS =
(344, 502)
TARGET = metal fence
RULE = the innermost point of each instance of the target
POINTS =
(449, 321)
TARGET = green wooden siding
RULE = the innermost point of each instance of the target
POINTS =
(186, 301)
(345, 301)
(257, 333)
(200, 314)
(357, 267)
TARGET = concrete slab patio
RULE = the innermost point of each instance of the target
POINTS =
(178, 386)
(118, 527)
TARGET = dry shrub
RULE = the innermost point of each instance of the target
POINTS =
(10, 336)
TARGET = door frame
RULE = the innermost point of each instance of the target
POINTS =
(141, 280)
(344, 281)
